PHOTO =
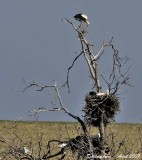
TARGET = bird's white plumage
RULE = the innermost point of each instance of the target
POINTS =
(97, 136)
(84, 16)
(62, 145)
(26, 151)
(103, 94)
(100, 94)
(107, 92)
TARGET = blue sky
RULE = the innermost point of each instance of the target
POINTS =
(36, 45)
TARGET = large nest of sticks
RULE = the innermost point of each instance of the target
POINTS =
(109, 105)
(80, 146)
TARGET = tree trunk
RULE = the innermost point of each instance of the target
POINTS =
(102, 131)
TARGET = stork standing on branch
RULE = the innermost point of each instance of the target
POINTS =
(82, 18)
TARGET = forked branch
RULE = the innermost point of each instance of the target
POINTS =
(56, 94)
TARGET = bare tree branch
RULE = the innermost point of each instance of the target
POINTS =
(61, 106)
(67, 81)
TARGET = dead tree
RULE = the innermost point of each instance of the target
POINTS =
(101, 107)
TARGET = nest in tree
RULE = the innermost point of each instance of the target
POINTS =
(80, 145)
(109, 105)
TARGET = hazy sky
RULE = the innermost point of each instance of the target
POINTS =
(36, 45)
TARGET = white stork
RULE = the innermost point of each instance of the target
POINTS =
(103, 94)
(82, 18)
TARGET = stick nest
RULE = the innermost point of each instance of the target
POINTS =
(109, 105)
(80, 145)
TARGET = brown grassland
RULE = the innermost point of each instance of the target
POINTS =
(31, 134)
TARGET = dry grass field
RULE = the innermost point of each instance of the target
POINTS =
(35, 134)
